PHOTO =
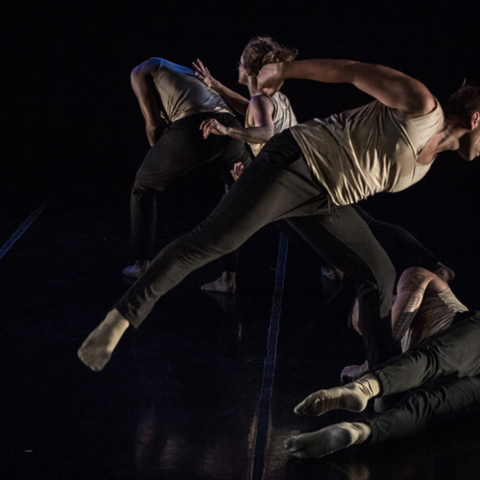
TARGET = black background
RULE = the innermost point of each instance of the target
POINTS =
(68, 109)
(71, 123)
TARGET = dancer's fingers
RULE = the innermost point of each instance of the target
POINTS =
(207, 124)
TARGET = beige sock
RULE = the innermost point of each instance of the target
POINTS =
(97, 349)
(328, 440)
(352, 397)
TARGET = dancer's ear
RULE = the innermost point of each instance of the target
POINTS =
(475, 120)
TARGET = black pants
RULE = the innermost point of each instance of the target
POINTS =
(180, 149)
(401, 246)
(276, 186)
(445, 371)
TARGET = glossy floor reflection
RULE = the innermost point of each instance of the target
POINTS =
(180, 397)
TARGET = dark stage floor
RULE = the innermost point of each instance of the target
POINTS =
(205, 389)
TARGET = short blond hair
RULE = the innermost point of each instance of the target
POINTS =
(262, 50)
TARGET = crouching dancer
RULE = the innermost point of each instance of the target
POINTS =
(314, 172)
(444, 370)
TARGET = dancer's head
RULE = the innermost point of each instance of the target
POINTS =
(464, 107)
(260, 51)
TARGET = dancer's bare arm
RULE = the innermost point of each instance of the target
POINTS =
(414, 283)
(260, 115)
(148, 98)
(391, 87)
(236, 101)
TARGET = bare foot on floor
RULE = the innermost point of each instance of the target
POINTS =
(97, 349)
(224, 284)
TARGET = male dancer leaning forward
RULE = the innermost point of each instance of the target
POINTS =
(315, 171)
(174, 103)
(443, 368)
(266, 116)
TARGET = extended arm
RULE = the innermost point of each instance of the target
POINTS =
(233, 99)
(260, 115)
(391, 87)
(148, 99)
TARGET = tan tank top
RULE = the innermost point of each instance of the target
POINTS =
(283, 117)
(182, 94)
(371, 149)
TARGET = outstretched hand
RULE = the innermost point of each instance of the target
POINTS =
(238, 169)
(270, 78)
(212, 125)
(203, 74)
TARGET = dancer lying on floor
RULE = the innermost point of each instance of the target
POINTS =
(443, 368)
(314, 172)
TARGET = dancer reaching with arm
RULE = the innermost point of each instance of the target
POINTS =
(264, 115)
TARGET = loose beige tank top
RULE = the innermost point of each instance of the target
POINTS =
(182, 94)
(283, 117)
(371, 149)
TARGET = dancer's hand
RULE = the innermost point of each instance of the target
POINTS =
(213, 126)
(238, 169)
(270, 78)
(204, 75)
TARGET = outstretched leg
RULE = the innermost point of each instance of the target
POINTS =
(265, 192)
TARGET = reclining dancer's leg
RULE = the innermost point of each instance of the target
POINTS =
(452, 353)
(426, 406)
(411, 415)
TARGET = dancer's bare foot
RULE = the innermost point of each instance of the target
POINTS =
(327, 440)
(352, 397)
(226, 283)
(444, 272)
(136, 270)
(97, 349)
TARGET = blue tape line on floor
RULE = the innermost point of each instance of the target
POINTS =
(263, 412)
(24, 226)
